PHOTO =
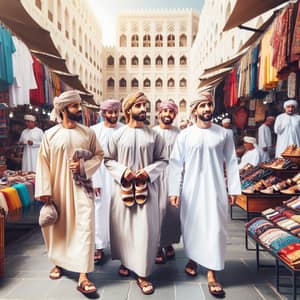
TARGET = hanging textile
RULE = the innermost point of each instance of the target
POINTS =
(230, 89)
(7, 48)
(24, 79)
(37, 96)
(254, 70)
(48, 87)
(4, 125)
(56, 84)
(295, 47)
(245, 74)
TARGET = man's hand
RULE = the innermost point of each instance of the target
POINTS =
(231, 199)
(45, 199)
(174, 201)
(29, 142)
(141, 175)
(75, 166)
(97, 192)
(129, 175)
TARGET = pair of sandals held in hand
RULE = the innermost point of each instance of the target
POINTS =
(134, 192)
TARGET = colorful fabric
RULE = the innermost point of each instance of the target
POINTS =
(12, 198)
(37, 96)
(23, 194)
(3, 203)
(283, 241)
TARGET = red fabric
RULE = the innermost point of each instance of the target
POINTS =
(230, 89)
(37, 96)
(240, 117)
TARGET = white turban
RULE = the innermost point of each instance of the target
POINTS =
(30, 118)
(249, 139)
(226, 120)
(61, 102)
(204, 96)
(290, 102)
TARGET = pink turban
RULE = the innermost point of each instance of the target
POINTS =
(110, 104)
(168, 105)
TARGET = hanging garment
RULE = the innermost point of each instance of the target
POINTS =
(37, 96)
(3, 121)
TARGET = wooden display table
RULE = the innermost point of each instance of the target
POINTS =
(2, 256)
(256, 203)
(285, 174)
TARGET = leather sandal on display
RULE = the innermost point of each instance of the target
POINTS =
(127, 193)
(141, 192)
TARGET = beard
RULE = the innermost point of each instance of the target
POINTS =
(167, 120)
(74, 117)
(112, 120)
(141, 117)
(205, 117)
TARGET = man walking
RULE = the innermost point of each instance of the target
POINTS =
(202, 150)
(68, 157)
(169, 216)
(287, 127)
(135, 157)
(102, 180)
(265, 138)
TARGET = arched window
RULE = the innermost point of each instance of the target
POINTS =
(59, 10)
(123, 40)
(171, 40)
(148, 106)
(159, 60)
(122, 83)
(110, 61)
(67, 23)
(158, 82)
(135, 40)
(134, 61)
(38, 4)
(159, 40)
(232, 42)
(182, 82)
(134, 83)
(147, 60)
(228, 11)
(50, 10)
(80, 39)
(182, 106)
(183, 41)
(147, 82)
(157, 104)
(147, 40)
(171, 60)
(171, 82)
(183, 60)
(110, 83)
(122, 60)
(74, 37)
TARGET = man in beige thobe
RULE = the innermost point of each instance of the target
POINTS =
(135, 153)
(70, 241)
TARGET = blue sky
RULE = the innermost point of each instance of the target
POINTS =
(106, 11)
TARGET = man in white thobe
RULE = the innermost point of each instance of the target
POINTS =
(265, 138)
(135, 154)
(102, 180)
(202, 150)
(70, 241)
(169, 216)
(287, 127)
(31, 139)
(252, 155)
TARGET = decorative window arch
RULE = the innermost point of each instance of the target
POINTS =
(147, 82)
(157, 104)
(171, 82)
(158, 60)
(122, 83)
(183, 40)
(135, 61)
(134, 83)
(182, 105)
(182, 82)
(123, 40)
(159, 40)
(110, 83)
(158, 82)
(171, 40)
(148, 106)
(183, 60)
(147, 40)
(135, 40)
(147, 60)
(67, 23)
(171, 60)
(122, 61)
(110, 61)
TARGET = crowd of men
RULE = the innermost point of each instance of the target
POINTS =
(151, 186)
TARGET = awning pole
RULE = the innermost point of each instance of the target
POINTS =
(250, 28)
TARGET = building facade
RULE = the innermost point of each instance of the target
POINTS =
(152, 54)
(77, 36)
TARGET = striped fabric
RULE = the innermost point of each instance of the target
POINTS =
(12, 198)
(23, 194)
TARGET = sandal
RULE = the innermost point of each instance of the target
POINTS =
(216, 289)
(170, 252)
(160, 257)
(191, 268)
(86, 287)
(123, 271)
(55, 273)
(127, 193)
(141, 192)
(146, 286)
(98, 256)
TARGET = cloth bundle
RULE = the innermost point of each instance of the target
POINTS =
(48, 214)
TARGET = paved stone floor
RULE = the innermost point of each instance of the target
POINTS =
(27, 269)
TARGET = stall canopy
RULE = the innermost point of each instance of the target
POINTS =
(214, 78)
(244, 11)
